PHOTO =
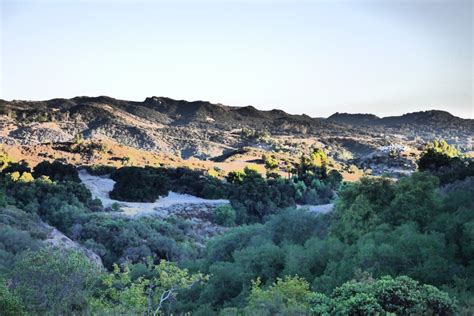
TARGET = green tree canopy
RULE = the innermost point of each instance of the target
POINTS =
(53, 282)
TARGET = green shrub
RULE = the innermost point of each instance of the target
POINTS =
(56, 171)
(225, 215)
(290, 295)
(100, 170)
(400, 296)
(135, 184)
(53, 282)
(10, 304)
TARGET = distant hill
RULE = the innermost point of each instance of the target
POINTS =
(180, 112)
(424, 117)
(203, 129)
(433, 118)
(162, 110)
(354, 119)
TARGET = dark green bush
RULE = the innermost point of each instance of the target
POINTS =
(225, 215)
(56, 171)
(135, 184)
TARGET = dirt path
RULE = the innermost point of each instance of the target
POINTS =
(101, 186)
(320, 209)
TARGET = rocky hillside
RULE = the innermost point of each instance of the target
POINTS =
(204, 130)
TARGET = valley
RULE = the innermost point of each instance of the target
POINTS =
(236, 158)
(205, 209)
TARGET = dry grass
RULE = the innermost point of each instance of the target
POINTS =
(120, 155)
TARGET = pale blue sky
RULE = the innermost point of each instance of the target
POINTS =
(314, 57)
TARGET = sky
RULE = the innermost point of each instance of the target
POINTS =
(386, 57)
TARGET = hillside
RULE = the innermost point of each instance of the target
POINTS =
(433, 119)
(354, 119)
(96, 111)
(204, 130)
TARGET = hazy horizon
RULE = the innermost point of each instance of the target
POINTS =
(381, 57)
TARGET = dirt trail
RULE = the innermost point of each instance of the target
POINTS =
(101, 186)
(320, 209)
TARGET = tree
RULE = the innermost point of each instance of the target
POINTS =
(252, 198)
(360, 206)
(16, 176)
(213, 173)
(334, 178)
(52, 281)
(225, 215)
(359, 219)
(56, 171)
(21, 167)
(314, 164)
(436, 155)
(446, 167)
(400, 295)
(136, 184)
(118, 293)
(265, 260)
(170, 279)
(288, 295)
(10, 304)
(148, 294)
(416, 199)
(387, 295)
(236, 177)
(319, 158)
(432, 160)
(270, 162)
(5, 160)
(443, 147)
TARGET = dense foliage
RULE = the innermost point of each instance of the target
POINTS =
(142, 289)
(403, 247)
(148, 184)
(53, 282)
(68, 206)
(138, 184)
(410, 227)
(57, 171)
(444, 161)
(401, 296)
(253, 197)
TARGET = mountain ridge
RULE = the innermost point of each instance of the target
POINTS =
(410, 117)
(203, 129)
(168, 104)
